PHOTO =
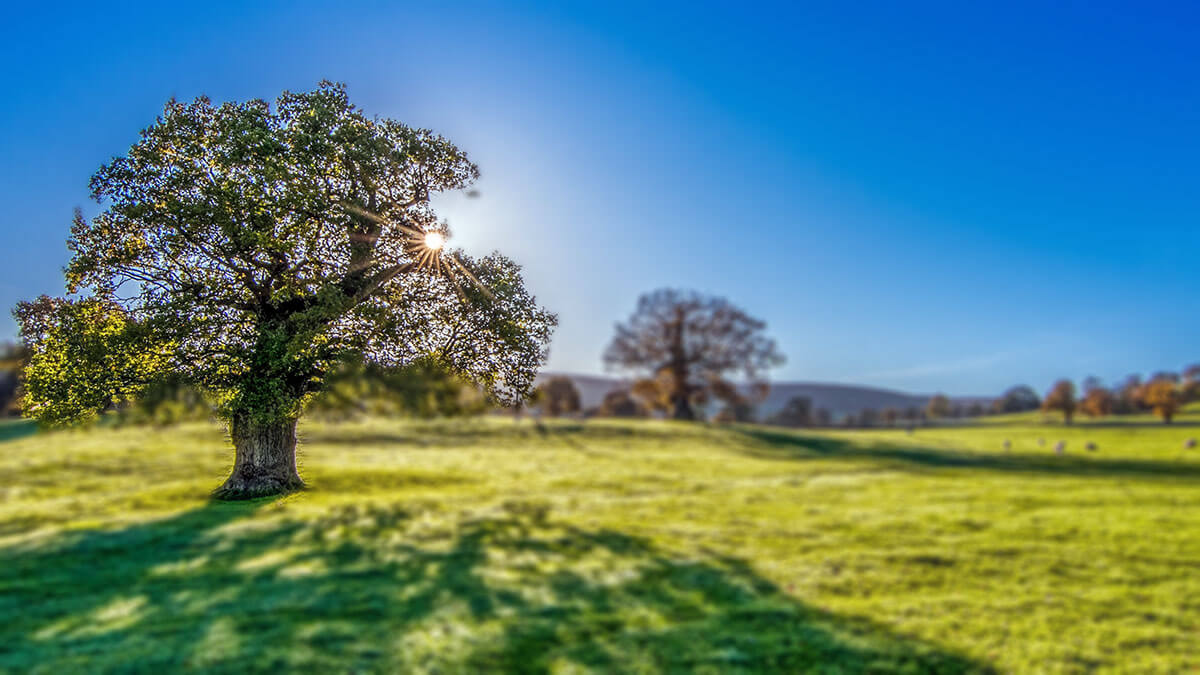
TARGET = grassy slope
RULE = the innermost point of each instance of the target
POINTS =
(642, 546)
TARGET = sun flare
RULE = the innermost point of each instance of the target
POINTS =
(434, 240)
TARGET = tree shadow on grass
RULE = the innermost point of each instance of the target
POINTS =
(11, 430)
(451, 433)
(387, 589)
(785, 445)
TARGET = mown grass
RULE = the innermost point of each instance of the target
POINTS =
(464, 546)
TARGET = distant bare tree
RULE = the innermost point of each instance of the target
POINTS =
(1062, 399)
(693, 342)
(891, 416)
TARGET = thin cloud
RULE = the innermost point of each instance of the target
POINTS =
(940, 368)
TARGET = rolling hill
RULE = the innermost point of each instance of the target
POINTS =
(838, 399)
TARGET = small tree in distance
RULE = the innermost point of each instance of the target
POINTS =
(1097, 400)
(797, 412)
(559, 396)
(691, 343)
(1163, 396)
(619, 403)
(1191, 383)
(1062, 399)
(1021, 398)
(250, 249)
(939, 406)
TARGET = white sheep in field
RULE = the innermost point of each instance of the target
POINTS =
(1059, 447)
(1007, 445)
(1189, 444)
(1091, 447)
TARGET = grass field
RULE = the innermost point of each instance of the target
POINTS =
(613, 546)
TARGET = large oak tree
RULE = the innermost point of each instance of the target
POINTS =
(690, 343)
(250, 249)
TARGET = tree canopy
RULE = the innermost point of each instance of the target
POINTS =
(690, 343)
(1061, 398)
(251, 248)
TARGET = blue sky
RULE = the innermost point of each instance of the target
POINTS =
(919, 196)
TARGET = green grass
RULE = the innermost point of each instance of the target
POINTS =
(608, 546)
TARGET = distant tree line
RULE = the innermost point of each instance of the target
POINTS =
(12, 358)
(1162, 394)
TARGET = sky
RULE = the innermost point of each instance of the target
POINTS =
(952, 197)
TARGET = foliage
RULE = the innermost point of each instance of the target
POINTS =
(12, 363)
(692, 342)
(1128, 396)
(653, 393)
(1062, 399)
(1162, 395)
(423, 389)
(1097, 401)
(1021, 398)
(938, 406)
(796, 412)
(167, 400)
(249, 248)
(85, 356)
(1191, 383)
(619, 403)
(736, 411)
(559, 396)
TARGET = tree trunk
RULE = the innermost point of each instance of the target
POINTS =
(265, 459)
(683, 409)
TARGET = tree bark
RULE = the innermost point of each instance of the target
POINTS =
(683, 409)
(265, 459)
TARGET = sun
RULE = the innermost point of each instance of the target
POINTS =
(434, 240)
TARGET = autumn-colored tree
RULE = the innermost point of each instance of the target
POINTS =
(1162, 395)
(692, 341)
(740, 404)
(653, 393)
(1097, 402)
(559, 396)
(250, 249)
(1062, 399)
(938, 406)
